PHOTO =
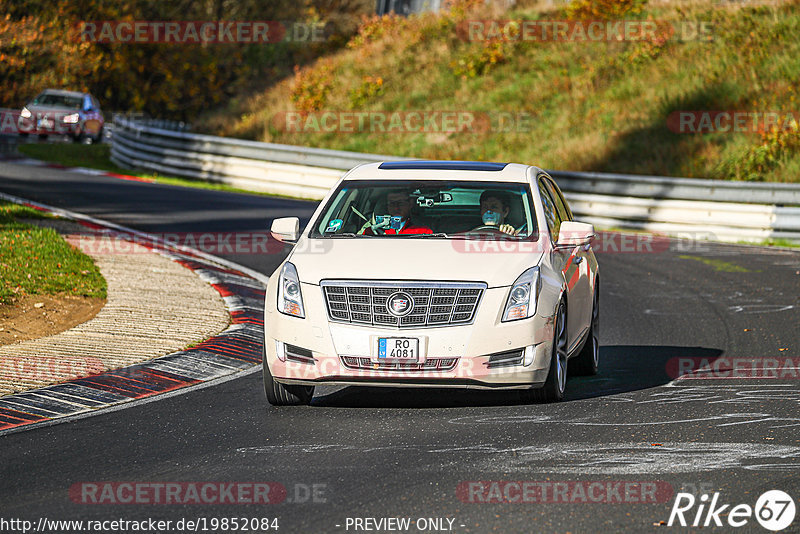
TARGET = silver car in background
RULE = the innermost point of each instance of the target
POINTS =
(57, 112)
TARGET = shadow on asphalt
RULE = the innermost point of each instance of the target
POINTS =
(623, 369)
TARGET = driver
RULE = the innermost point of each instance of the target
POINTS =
(495, 207)
(398, 204)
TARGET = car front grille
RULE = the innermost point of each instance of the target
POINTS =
(434, 304)
(431, 364)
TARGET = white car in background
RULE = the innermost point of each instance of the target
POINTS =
(438, 274)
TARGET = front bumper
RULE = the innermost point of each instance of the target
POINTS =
(450, 356)
(50, 127)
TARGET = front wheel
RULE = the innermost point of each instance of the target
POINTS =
(556, 382)
(280, 394)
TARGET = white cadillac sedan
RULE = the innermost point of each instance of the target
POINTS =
(434, 274)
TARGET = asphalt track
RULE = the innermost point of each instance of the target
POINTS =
(405, 453)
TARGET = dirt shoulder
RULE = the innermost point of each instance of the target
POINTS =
(35, 316)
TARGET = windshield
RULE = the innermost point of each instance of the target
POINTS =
(49, 99)
(443, 209)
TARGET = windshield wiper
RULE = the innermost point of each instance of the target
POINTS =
(343, 234)
(439, 235)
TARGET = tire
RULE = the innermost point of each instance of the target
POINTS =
(23, 134)
(282, 395)
(587, 361)
(43, 137)
(556, 382)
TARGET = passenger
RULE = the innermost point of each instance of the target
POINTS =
(398, 204)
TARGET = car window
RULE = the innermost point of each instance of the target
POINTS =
(550, 211)
(50, 99)
(561, 205)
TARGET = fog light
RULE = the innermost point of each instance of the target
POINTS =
(280, 351)
(527, 360)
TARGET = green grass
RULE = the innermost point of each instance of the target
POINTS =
(595, 106)
(779, 243)
(98, 157)
(718, 265)
(71, 155)
(37, 260)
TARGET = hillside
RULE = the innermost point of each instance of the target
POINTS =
(578, 104)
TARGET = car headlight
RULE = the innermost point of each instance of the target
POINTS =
(290, 298)
(25, 113)
(72, 118)
(521, 301)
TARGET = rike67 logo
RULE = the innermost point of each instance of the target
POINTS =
(774, 510)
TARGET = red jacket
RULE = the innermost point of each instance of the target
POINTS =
(409, 228)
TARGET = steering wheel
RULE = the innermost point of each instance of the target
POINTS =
(485, 227)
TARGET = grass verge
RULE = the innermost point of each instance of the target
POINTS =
(37, 260)
(583, 105)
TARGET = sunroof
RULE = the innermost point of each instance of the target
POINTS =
(442, 165)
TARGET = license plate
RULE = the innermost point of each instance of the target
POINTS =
(398, 348)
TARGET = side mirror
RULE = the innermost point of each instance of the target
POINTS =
(286, 229)
(574, 234)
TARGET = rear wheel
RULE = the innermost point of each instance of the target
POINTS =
(280, 394)
(588, 360)
(556, 383)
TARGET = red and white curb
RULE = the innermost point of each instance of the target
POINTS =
(228, 355)
(82, 170)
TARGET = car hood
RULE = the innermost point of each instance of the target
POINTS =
(52, 109)
(498, 263)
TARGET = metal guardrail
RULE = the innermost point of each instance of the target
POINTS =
(729, 211)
